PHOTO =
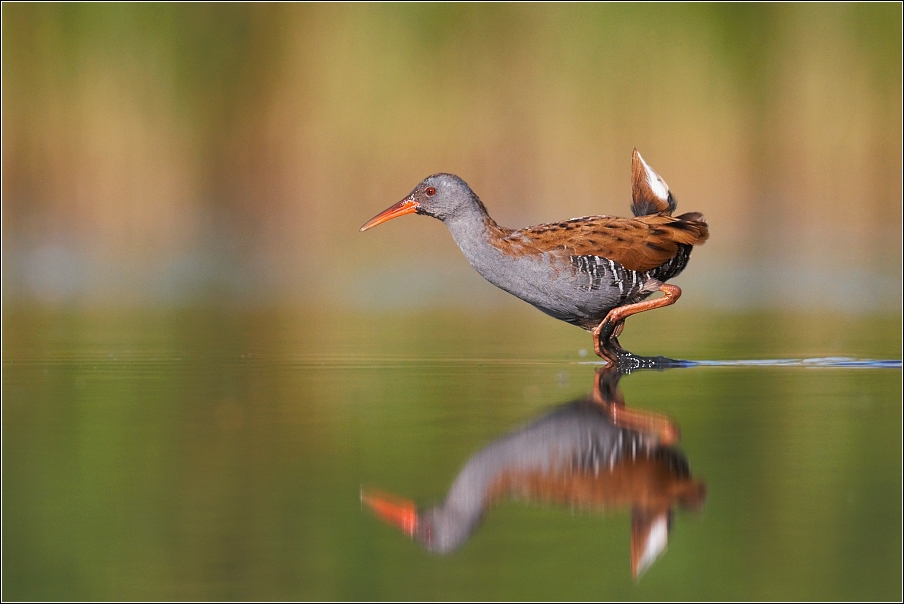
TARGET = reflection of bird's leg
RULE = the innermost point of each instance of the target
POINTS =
(608, 395)
(645, 421)
(605, 387)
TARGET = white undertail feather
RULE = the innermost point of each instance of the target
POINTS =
(654, 544)
(657, 185)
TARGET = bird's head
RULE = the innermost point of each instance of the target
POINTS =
(441, 196)
(437, 529)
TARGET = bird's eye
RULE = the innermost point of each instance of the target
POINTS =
(430, 191)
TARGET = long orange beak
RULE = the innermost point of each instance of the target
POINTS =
(406, 206)
(391, 509)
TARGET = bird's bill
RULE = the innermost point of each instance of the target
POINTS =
(393, 510)
(406, 206)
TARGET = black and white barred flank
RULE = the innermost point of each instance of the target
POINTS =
(632, 285)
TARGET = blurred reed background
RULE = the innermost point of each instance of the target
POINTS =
(179, 154)
(204, 360)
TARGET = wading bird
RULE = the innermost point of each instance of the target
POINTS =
(592, 272)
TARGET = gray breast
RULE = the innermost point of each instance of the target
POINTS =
(577, 289)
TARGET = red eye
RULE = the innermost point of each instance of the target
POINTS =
(430, 191)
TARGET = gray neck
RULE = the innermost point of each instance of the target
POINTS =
(473, 229)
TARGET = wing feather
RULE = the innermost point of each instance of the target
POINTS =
(639, 244)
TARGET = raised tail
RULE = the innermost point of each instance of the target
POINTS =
(649, 192)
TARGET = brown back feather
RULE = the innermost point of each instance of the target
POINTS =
(638, 244)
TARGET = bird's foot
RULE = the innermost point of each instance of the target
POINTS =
(626, 362)
(608, 348)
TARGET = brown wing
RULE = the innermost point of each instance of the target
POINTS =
(638, 244)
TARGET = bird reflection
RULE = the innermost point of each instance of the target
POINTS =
(593, 453)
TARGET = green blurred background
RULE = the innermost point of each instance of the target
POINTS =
(170, 154)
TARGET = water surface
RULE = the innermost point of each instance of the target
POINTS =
(211, 454)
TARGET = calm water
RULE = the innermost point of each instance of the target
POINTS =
(211, 454)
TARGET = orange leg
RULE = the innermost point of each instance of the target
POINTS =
(611, 350)
(606, 332)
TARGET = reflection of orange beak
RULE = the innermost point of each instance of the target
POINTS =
(392, 510)
(406, 206)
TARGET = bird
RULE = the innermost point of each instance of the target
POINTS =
(593, 272)
(592, 453)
